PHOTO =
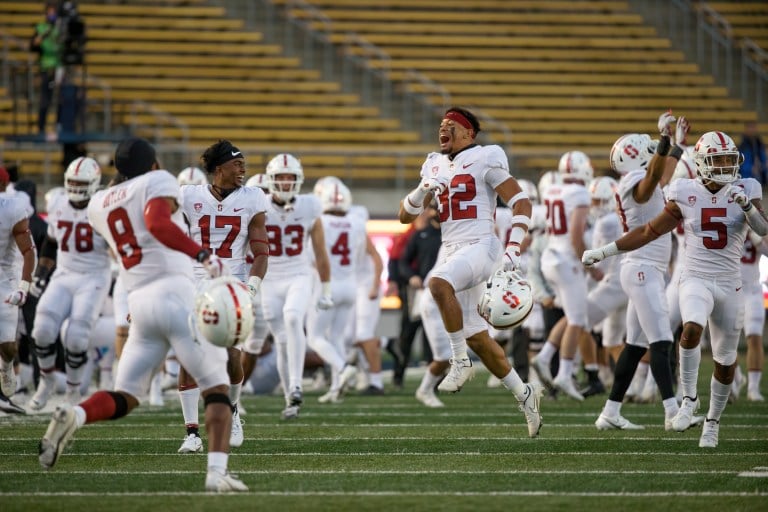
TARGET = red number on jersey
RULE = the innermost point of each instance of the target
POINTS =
(83, 235)
(220, 222)
(125, 239)
(749, 256)
(622, 213)
(467, 190)
(293, 245)
(707, 224)
(557, 224)
(341, 248)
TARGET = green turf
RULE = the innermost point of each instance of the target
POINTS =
(391, 453)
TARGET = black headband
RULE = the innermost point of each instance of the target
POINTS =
(225, 153)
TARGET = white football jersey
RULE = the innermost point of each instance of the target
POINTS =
(364, 267)
(13, 209)
(79, 248)
(222, 227)
(634, 214)
(750, 258)
(561, 201)
(345, 240)
(117, 213)
(468, 204)
(290, 250)
(715, 226)
(607, 229)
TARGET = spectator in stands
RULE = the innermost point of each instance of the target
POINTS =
(755, 164)
(46, 42)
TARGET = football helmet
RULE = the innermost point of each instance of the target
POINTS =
(631, 152)
(258, 181)
(530, 189)
(576, 165)
(602, 191)
(192, 176)
(334, 195)
(717, 158)
(224, 311)
(283, 189)
(548, 179)
(82, 178)
(686, 167)
(507, 300)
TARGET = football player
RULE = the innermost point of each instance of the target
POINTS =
(716, 209)
(140, 219)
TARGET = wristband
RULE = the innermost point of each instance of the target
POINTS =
(663, 147)
(24, 286)
(516, 236)
(676, 153)
(611, 249)
(408, 205)
(254, 281)
(521, 219)
(202, 255)
(326, 288)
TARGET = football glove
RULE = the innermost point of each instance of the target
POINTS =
(665, 120)
(512, 256)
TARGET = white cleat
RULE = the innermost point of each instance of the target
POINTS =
(331, 397)
(291, 412)
(236, 434)
(566, 386)
(695, 422)
(605, 422)
(429, 398)
(223, 482)
(191, 444)
(44, 389)
(542, 370)
(684, 417)
(530, 407)
(461, 372)
(755, 396)
(709, 434)
(7, 380)
(60, 431)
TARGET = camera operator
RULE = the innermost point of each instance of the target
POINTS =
(46, 41)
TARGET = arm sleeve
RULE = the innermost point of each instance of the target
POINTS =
(157, 216)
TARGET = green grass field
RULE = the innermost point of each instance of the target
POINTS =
(391, 453)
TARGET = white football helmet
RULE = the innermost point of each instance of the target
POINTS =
(192, 176)
(631, 152)
(334, 195)
(548, 179)
(507, 301)
(686, 167)
(258, 181)
(717, 158)
(576, 165)
(285, 190)
(82, 178)
(224, 311)
(602, 191)
(530, 189)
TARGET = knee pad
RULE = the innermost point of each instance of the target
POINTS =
(75, 359)
(44, 331)
(76, 337)
(42, 351)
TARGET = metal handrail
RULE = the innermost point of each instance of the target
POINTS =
(717, 20)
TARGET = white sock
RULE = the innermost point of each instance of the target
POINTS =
(375, 380)
(547, 352)
(566, 368)
(612, 408)
(718, 398)
(753, 380)
(458, 345)
(428, 382)
(690, 359)
(79, 416)
(189, 399)
(218, 461)
(670, 407)
(514, 383)
(234, 392)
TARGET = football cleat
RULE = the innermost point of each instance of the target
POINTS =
(216, 481)
(428, 398)
(755, 396)
(290, 413)
(619, 422)
(44, 389)
(7, 379)
(60, 431)
(461, 372)
(592, 389)
(530, 407)
(345, 377)
(191, 444)
(695, 422)
(542, 370)
(372, 390)
(566, 386)
(7, 406)
(331, 397)
(236, 434)
(709, 434)
(684, 417)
